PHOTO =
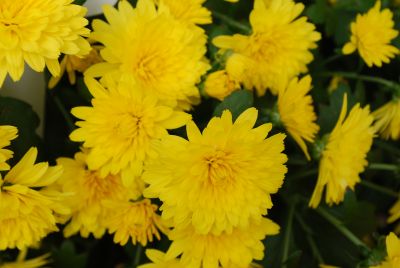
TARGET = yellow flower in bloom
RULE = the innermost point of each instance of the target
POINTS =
(7, 134)
(393, 251)
(135, 221)
(219, 85)
(26, 211)
(190, 11)
(121, 127)
(277, 49)
(36, 32)
(234, 249)
(161, 54)
(72, 64)
(38, 262)
(227, 173)
(296, 111)
(344, 156)
(371, 34)
(387, 120)
(160, 261)
(87, 193)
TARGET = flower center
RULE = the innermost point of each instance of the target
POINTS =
(220, 168)
(145, 69)
(263, 46)
(130, 126)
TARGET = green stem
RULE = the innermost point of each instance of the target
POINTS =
(232, 22)
(138, 255)
(342, 229)
(332, 58)
(310, 240)
(286, 239)
(303, 174)
(395, 87)
(379, 188)
(64, 112)
(383, 166)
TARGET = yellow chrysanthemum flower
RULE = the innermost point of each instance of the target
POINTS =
(161, 54)
(189, 11)
(387, 120)
(344, 156)
(135, 221)
(72, 64)
(371, 34)
(296, 111)
(27, 213)
(227, 172)
(7, 134)
(121, 127)
(219, 85)
(21, 262)
(234, 249)
(87, 194)
(37, 32)
(393, 251)
(278, 48)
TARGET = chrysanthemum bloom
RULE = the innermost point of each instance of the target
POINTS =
(227, 173)
(371, 34)
(296, 111)
(87, 194)
(135, 221)
(159, 260)
(37, 32)
(237, 248)
(161, 54)
(7, 134)
(72, 64)
(26, 213)
(121, 127)
(344, 156)
(189, 11)
(393, 252)
(21, 261)
(219, 85)
(278, 48)
(387, 120)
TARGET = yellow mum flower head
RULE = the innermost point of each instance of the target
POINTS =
(36, 32)
(27, 214)
(87, 194)
(227, 172)
(189, 11)
(219, 85)
(160, 53)
(371, 34)
(137, 221)
(393, 251)
(160, 261)
(344, 156)
(72, 64)
(277, 49)
(7, 134)
(38, 262)
(387, 120)
(297, 112)
(229, 249)
(121, 128)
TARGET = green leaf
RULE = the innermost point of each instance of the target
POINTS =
(67, 257)
(79, 2)
(317, 12)
(237, 103)
(20, 114)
